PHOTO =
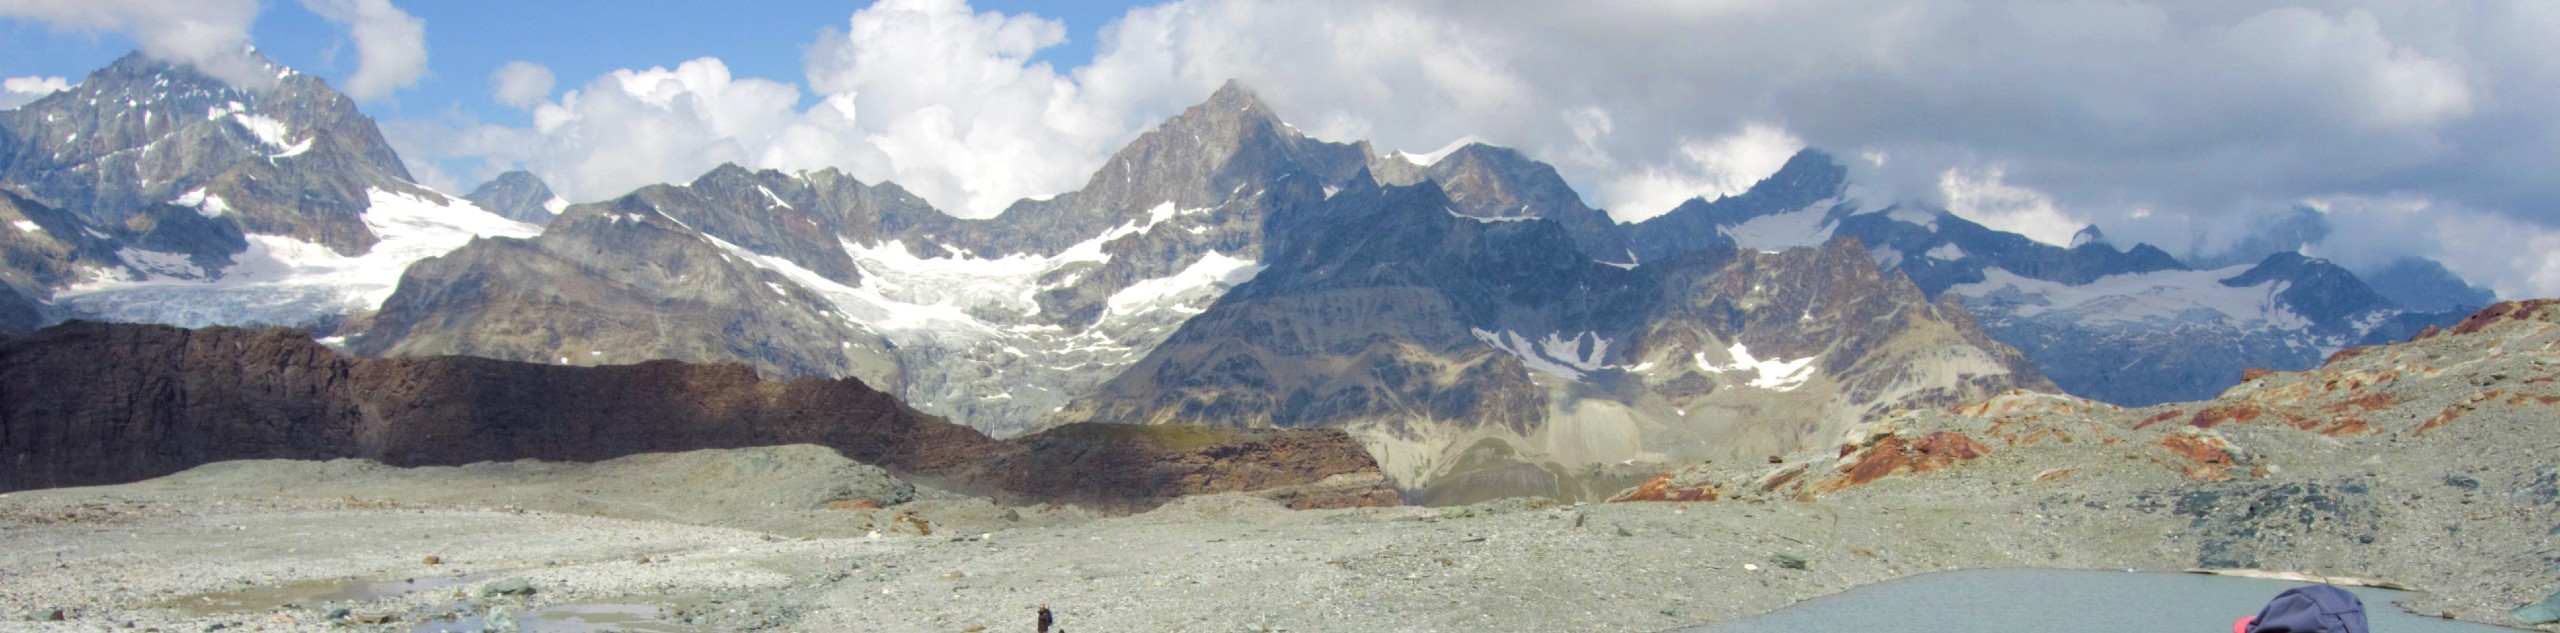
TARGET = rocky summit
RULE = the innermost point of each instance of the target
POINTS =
(518, 195)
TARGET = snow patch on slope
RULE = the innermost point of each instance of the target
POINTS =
(267, 129)
(1781, 231)
(1553, 355)
(1179, 291)
(297, 149)
(285, 281)
(205, 204)
(1909, 215)
(1434, 156)
(1772, 374)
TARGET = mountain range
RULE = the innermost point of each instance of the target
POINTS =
(1480, 329)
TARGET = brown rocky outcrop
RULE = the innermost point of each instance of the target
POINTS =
(91, 403)
(2543, 310)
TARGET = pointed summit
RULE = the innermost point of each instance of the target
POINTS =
(1197, 159)
(2089, 235)
(518, 195)
(1500, 183)
(1233, 95)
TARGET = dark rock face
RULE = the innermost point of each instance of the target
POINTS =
(88, 403)
(18, 314)
(517, 195)
(1111, 464)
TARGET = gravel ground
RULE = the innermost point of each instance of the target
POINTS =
(145, 553)
(2445, 481)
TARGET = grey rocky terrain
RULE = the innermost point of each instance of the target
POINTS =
(2424, 463)
(518, 195)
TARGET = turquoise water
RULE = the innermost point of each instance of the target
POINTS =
(2044, 600)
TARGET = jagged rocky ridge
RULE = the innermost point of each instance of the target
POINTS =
(2131, 326)
(90, 403)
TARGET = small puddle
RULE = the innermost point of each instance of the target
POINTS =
(312, 594)
(571, 618)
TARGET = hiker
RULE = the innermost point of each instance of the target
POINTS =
(1045, 619)
(2312, 609)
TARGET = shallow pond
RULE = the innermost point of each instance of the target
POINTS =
(2044, 600)
(571, 618)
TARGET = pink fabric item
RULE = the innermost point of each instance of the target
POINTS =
(2242, 626)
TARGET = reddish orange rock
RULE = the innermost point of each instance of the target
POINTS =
(1659, 488)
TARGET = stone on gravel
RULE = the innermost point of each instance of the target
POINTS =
(335, 613)
(508, 587)
(1789, 561)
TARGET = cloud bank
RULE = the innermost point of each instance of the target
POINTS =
(17, 91)
(521, 84)
(213, 35)
(391, 45)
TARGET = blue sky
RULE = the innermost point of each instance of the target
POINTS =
(2414, 127)
(577, 39)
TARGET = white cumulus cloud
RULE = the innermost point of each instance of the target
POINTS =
(391, 45)
(521, 83)
(17, 91)
(2161, 120)
(1703, 169)
(1984, 197)
(211, 34)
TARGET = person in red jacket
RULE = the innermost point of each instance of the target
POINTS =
(1046, 620)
